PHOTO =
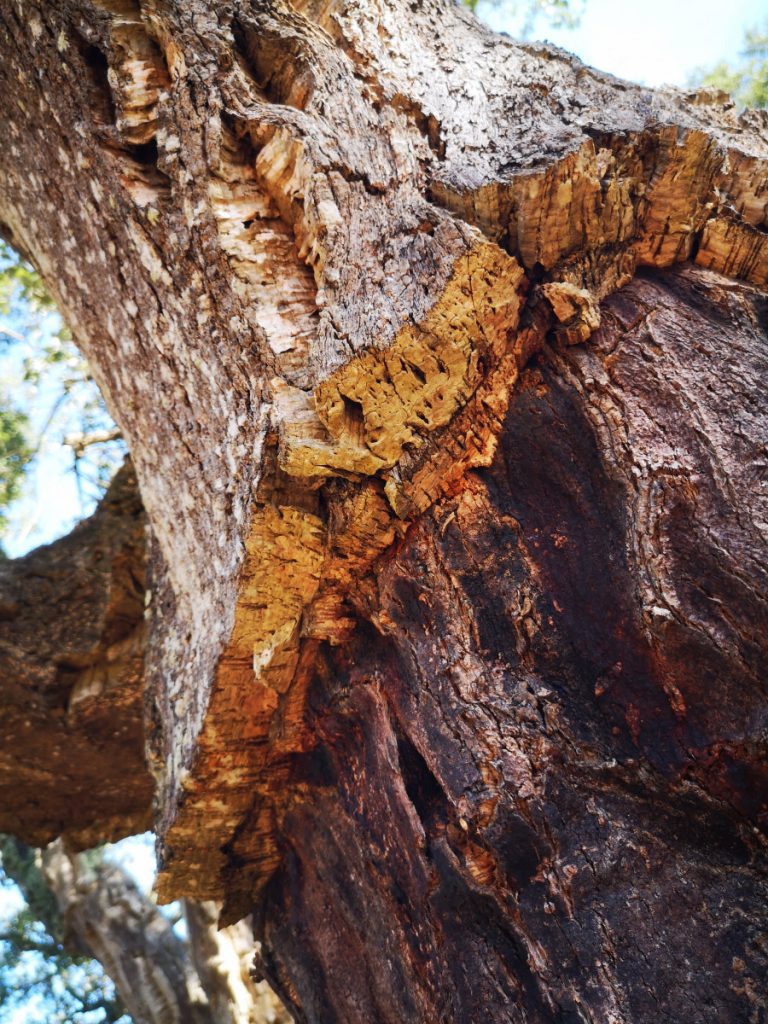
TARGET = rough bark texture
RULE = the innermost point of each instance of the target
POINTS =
(540, 795)
(455, 483)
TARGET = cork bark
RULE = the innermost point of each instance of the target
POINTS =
(441, 362)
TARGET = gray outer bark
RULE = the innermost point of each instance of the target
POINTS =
(458, 549)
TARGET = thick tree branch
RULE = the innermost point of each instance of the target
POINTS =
(364, 277)
(71, 679)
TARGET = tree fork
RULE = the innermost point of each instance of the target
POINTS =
(440, 361)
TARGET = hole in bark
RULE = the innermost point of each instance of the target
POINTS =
(97, 82)
(144, 153)
(423, 789)
(354, 419)
(97, 62)
(695, 245)
(417, 372)
(140, 173)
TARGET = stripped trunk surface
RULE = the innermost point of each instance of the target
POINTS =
(441, 360)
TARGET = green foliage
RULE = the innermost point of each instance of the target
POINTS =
(747, 80)
(17, 278)
(53, 987)
(15, 453)
(15, 449)
(19, 863)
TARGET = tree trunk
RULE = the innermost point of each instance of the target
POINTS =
(441, 361)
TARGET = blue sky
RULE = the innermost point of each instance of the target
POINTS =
(51, 502)
(653, 41)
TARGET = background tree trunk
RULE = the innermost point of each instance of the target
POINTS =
(92, 908)
(108, 918)
(223, 961)
(455, 487)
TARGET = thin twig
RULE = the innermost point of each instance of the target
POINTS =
(79, 442)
